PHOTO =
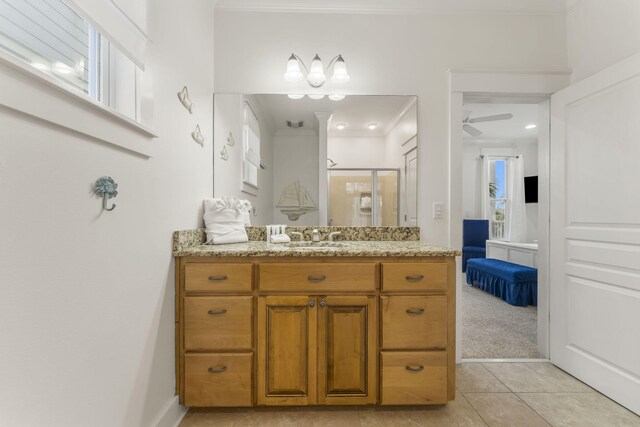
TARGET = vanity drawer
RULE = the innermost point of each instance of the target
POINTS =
(223, 379)
(218, 277)
(414, 322)
(318, 277)
(413, 378)
(414, 276)
(218, 323)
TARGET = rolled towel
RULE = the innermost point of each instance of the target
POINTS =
(225, 219)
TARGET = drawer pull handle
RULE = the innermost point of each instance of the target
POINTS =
(414, 278)
(316, 278)
(217, 311)
(416, 311)
(217, 371)
(217, 278)
(414, 368)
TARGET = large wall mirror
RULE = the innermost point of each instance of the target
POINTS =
(282, 153)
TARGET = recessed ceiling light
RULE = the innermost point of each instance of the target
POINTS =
(341, 126)
(373, 126)
(294, 96)
(531, 126)
(315, 96)
(335, 97)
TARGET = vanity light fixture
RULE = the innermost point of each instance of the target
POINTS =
(316, 76)
(373, 126)
(336, 97)
(295, 96)
(315, 96)
(531, 126)
(341, 126)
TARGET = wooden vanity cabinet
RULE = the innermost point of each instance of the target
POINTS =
(315, 331)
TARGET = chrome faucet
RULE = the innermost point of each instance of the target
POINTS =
(333, 234)
(297, 233)
(316, 235)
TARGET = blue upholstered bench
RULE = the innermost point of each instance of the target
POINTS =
(514, 283)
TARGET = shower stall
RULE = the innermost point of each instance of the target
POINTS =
(364, 197)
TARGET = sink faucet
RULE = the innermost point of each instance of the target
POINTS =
(297, 233)
(333, 234)
(316, 235)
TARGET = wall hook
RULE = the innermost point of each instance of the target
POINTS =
(107, 189)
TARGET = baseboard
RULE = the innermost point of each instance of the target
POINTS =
(504, 360)
(171, 414)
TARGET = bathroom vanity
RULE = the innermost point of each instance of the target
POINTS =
(342, 323)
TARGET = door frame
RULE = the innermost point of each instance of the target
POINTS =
(403, 214)
(510, 84)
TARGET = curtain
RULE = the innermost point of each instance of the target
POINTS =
(517, 214)
(484, 188)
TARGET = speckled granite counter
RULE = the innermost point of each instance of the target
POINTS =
(194, 247)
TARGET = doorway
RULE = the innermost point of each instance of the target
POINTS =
(500, 155)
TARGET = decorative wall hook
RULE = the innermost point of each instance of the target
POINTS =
(107, 189)
(224, 154)
(183, 96)
(230, 141)
(197, 135)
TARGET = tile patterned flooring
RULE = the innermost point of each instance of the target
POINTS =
(488, 394)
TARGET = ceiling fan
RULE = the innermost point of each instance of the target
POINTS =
(475, 132)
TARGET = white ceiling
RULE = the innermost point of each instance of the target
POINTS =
(400, 6)
(512, 129)
(357, 111)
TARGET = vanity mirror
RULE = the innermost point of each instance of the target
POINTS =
(303, 161)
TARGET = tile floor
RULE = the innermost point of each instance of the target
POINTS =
(493, 394)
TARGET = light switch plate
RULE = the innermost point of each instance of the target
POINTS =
(438, 210)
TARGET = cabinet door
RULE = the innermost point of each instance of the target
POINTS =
(347, 350)
(287, 344)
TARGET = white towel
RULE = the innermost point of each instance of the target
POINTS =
(225, 219)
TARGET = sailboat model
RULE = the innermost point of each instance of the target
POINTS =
(295, 201)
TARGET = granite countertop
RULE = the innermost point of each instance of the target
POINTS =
(340, 249)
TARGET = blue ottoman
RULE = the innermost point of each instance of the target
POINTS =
(514, 283)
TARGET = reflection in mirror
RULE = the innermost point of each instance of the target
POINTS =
(271, 150)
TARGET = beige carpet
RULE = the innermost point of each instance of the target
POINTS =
(493, 329)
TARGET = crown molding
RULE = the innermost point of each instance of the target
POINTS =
(295, 132)
(238, 6)
(403, 112)
(356, 134)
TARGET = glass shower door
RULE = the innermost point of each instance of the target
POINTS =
(351, 197)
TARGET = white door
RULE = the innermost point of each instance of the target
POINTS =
(410, 188)
(595, 231)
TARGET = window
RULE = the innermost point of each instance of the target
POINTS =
(498, 201)
(251, 147)
(52, 38)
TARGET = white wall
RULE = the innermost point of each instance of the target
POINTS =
(357, 151)
(389, 55)
(601, 33)
(472, 179)
(228, 117)
(295, 159)
(87, 306)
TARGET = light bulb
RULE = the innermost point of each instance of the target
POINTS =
(295, 96)
(316, 77)
(341, 126)
(340, 74)
(315, 96)
(293, 73)
(372, 126)
(531, 126)
(336, 97)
